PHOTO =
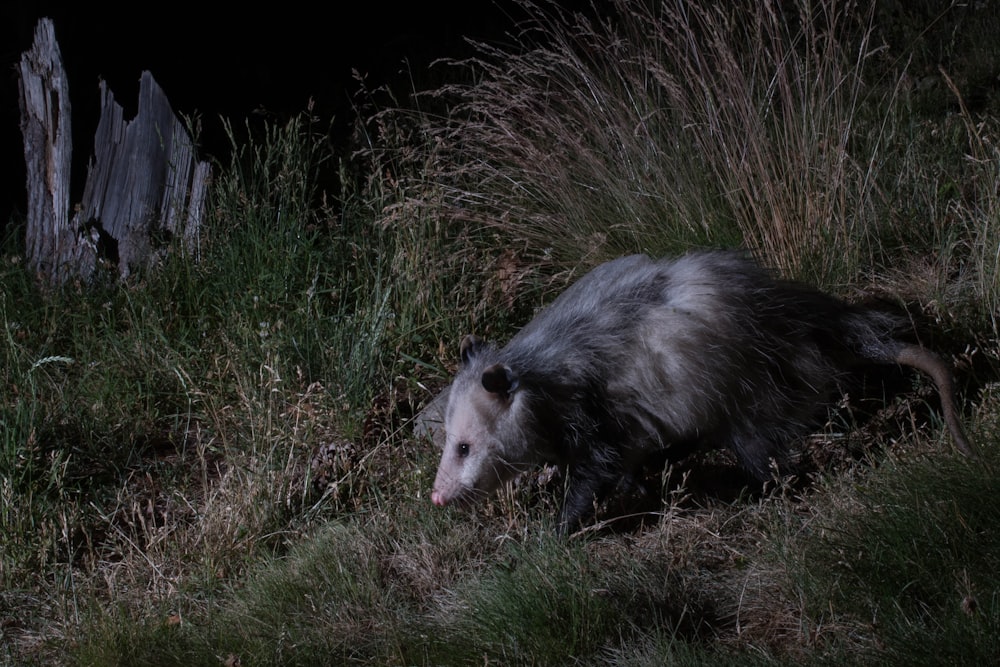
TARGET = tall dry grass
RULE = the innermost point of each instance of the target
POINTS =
(979, 210)
(663, 126)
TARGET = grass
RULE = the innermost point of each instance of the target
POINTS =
(681, 125)
(212, 462)
(910, 559)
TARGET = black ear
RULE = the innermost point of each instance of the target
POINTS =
(470, 347)
(499, 379)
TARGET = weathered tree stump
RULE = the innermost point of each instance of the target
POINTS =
(145, 187)
(55, 250)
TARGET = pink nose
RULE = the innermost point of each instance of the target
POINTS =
(438, 499)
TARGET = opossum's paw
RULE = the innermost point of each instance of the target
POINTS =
(632, 484)
(759, 456)
(579, 506)
(573, 515)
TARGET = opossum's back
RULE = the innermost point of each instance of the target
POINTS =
(636, 282)
(602, 315)
(681, 346)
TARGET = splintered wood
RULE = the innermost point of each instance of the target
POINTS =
(145, 190)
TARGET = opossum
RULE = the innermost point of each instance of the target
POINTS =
(642, 355)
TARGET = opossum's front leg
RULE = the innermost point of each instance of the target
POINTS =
(586, 485)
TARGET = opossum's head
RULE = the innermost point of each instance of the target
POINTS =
(486, 439)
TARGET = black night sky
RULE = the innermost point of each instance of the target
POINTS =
(229, 62)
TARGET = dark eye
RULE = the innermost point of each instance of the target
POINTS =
(463, 449)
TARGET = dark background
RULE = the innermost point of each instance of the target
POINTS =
(216, 61)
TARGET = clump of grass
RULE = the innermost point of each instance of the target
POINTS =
(460, 278)
(419, 590)
(978, 210)
(907, 558)
(354, 592)
(666, 126)
(942, 234)
(164, 434)
(540, 603)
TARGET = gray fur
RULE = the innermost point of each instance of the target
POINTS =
(707, 350)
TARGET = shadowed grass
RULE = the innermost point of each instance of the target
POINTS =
(908, 555)
(159, 434)
(418, 591)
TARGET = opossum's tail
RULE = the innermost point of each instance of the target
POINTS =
(871, 334)
(928, 362)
